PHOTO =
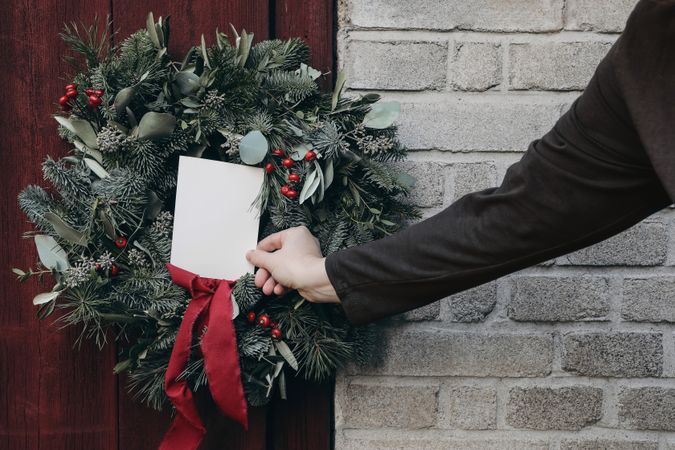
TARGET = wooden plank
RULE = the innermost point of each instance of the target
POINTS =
(188, 21)
(314, 22)
(305, 420)
(53, 396)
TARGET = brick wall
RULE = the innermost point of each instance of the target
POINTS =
(576, 353)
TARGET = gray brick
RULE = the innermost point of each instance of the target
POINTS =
(613, 354)
(475, 66)
(565, 408)
(473, 305)
(647, 408)
(400, 65)
(475, 124)
(389, 406)
(558, 66)
(607, 444)
(441, 444)
(551, 299)
(649, 300)
(468, 407)
(427, 312)
(644, 244)
(514, 15)
(465, 178)
(429, 187)
(594, 15)
(437, 352)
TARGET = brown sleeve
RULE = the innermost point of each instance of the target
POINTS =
(585, 180)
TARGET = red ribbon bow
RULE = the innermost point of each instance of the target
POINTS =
(211, 305)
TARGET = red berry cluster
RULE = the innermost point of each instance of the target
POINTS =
(70, 97)
(288, 190)
(264, 321)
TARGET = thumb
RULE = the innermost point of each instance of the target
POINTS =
(260, 258)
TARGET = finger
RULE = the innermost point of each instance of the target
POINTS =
(260, 258)
(271, 242)
(280, 289)
(268, 287)
(260, 277)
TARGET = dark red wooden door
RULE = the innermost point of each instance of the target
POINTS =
(53, 396)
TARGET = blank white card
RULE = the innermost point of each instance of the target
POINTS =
(214, 223)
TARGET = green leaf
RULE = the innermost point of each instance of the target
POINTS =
(253, 147)
(297, 153)
(311, 183)
(153, 207)
(124, 98)
(51, 254)
(382, 115)
(45, 297)
(122, 366)
(190, 102)
(205, 54)
(96, 168)
(405, 180)
(322, 186)
(108, 226)
(154, 125)
(45, 310)
(187, 81)
(152, 31)
(19, 272)
(286, 352)
(65, 231)
(339, 85)
(81, 128)
(328, 173)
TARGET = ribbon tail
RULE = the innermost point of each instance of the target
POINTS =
(187, 429)
(221, 357)
(182, 435)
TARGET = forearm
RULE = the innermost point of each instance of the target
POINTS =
(555, 200)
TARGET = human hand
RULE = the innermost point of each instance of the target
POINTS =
(292, 259)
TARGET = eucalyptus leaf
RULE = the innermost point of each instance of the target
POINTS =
(322, 186)
(124, 98)
(152, 31)
(108, 226)
(153, 207)
(65, 231)
(96, 168)
(339, 85)
(311, 184)
(187, 81)
(51, 254)
(382, 115)
(131, 117)
(154, 125)
(205, 54)
(286, 352)
(81, 128)
(405, 180)
(45, 297)
(97, 155)
(253, 147)
(190, 102)
(328, 173)
(297, 153)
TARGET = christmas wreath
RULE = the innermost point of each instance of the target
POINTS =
(103, 228)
